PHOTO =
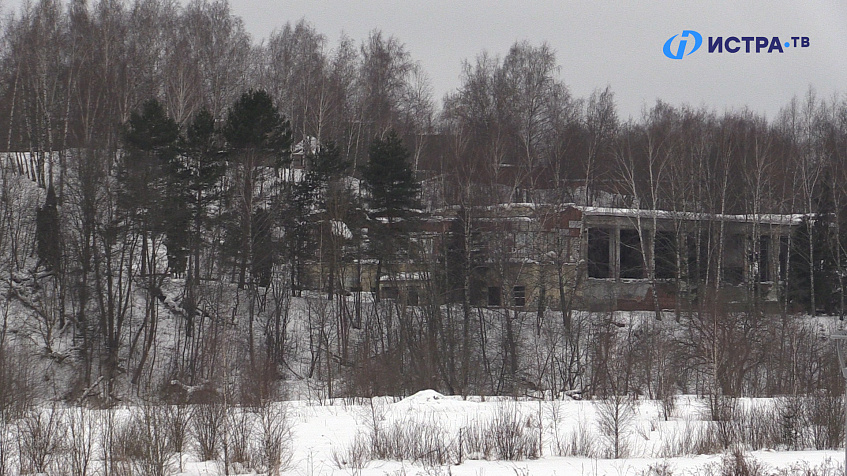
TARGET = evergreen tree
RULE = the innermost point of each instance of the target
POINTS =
(151, 192)
(151, 199)
(257, 135)
(306, 209)
(47, 232)
(327, 165)
(203, 168)
(392, 199)
(254, 124)
(389, 180)
(298, 220)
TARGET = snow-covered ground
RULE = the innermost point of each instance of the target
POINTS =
(323, 436)
(431, 434)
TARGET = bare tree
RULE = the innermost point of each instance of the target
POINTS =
(601, 123)
(223, 51)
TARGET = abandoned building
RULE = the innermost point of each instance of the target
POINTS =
(529, 257)
(689, 254)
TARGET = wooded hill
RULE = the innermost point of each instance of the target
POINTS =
(171, 184)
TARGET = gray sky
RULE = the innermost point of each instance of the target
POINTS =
(599, 43)
(616, 43)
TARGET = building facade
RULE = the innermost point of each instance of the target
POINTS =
(567, 257)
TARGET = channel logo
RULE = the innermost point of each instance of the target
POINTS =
(680, 49)
(677, 46)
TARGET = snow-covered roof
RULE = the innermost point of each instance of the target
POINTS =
(339, 228)
(308, 145)
(404, 277)
(771, 219)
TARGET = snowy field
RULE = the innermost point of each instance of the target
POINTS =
(324, 437)
(431, 434)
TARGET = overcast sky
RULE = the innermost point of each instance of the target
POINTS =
(616, 43)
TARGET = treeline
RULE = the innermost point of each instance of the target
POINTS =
(75, 72)
(174, 189)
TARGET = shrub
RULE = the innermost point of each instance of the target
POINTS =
(694, 438)
(151, 452)
(506, 436)
(615, 416)
(40, 435)
(824, 415)
(734, 463)
(239, 433)
(275, 447)
(207, 423)
(81, 435)
(353, 456)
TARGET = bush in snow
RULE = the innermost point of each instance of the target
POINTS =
(151, 451)
(40, 435)
(508, 435)
(274, 446)
(79, 445)
(353, 456)
(824, 414)
(615, 416)
(206, 425)
(237, 436)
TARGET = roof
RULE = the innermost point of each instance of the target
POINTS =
(765, 218)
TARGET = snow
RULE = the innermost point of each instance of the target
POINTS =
(286, 174)
(528, 210)
(412, 276)
(321, 432)
(310, 148)
(324, 431)
(423, 397)
(339, 228)
(427, 402)
(771, 219)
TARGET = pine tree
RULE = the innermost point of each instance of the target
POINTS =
(257, 135)
(254, 124)
(151, 192)
(202, 169)
(152, 201)
(389, 180)
(392, 199)
(298, 220)
(47, 232)
(306, 209)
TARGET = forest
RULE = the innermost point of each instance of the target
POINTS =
(187, 212)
